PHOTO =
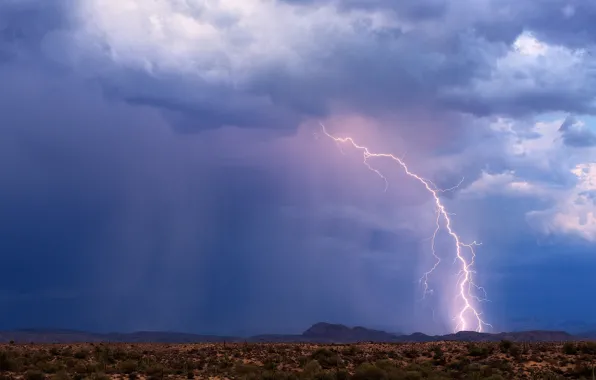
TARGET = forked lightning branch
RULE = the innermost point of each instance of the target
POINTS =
(468, 317)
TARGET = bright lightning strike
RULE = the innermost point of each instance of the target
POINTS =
(465, 286)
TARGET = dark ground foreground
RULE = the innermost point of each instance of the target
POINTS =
(436, 360)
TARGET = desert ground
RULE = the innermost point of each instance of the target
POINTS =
(436, 360)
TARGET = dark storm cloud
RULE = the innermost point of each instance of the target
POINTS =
(560, 22)
(112, 222)
(527, 288)
(523, 103)
(29, 21)
(576, 134)
(191, 117)
(109, 220)
(373, 70)
(419, 10)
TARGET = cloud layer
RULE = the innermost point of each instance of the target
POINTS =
(165, 167)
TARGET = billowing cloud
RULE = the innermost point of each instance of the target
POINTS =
(266, 61)
(576, 133)
(574, 212)
(545, 163)
(503, 183)
(533, 77)
(173, 147)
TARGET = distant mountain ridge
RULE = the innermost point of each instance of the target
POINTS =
(328, 331)
(318, 333)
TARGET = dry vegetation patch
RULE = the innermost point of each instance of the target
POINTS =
(437, 360)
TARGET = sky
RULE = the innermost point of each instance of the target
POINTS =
(163, 166)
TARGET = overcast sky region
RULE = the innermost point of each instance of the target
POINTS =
(163, 166)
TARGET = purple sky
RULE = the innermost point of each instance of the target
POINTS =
(163, 166)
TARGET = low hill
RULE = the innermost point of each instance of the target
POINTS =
(341, 333)
(317, 333)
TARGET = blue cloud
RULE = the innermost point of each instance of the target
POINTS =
(114, 216)
(577, 135)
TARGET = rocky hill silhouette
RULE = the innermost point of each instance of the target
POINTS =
(318, 333)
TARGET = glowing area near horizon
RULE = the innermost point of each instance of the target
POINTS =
(468, 317)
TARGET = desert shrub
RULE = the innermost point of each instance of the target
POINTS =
(269, 364)
(478, 351)
(351, 350)
(68, 351)
(368, 371)
(50, 367)
(155, 370)
(458, 365)
(438, 355)
(582, 370)
(326, 358)
(398, 374)
(473, 367)
(515, 351)
(61, 375)
(277, 375)
(100, 376)
(325, 375)
(393, 354)
(503, 366)
(302, 360)
(385, 365)
(81, 354)
(411, 353)
(81, 368)
(412, 375)
(495, 377)
(7, 363)
(118, 354)
(569, 348)
(588, 348)
(312, 368)
(342, 374)
(127, 366)
(34, 375)
(505, 345)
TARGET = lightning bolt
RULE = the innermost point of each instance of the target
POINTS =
(465, 285)
(425, 276)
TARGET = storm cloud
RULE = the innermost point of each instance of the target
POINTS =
(163, 166)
